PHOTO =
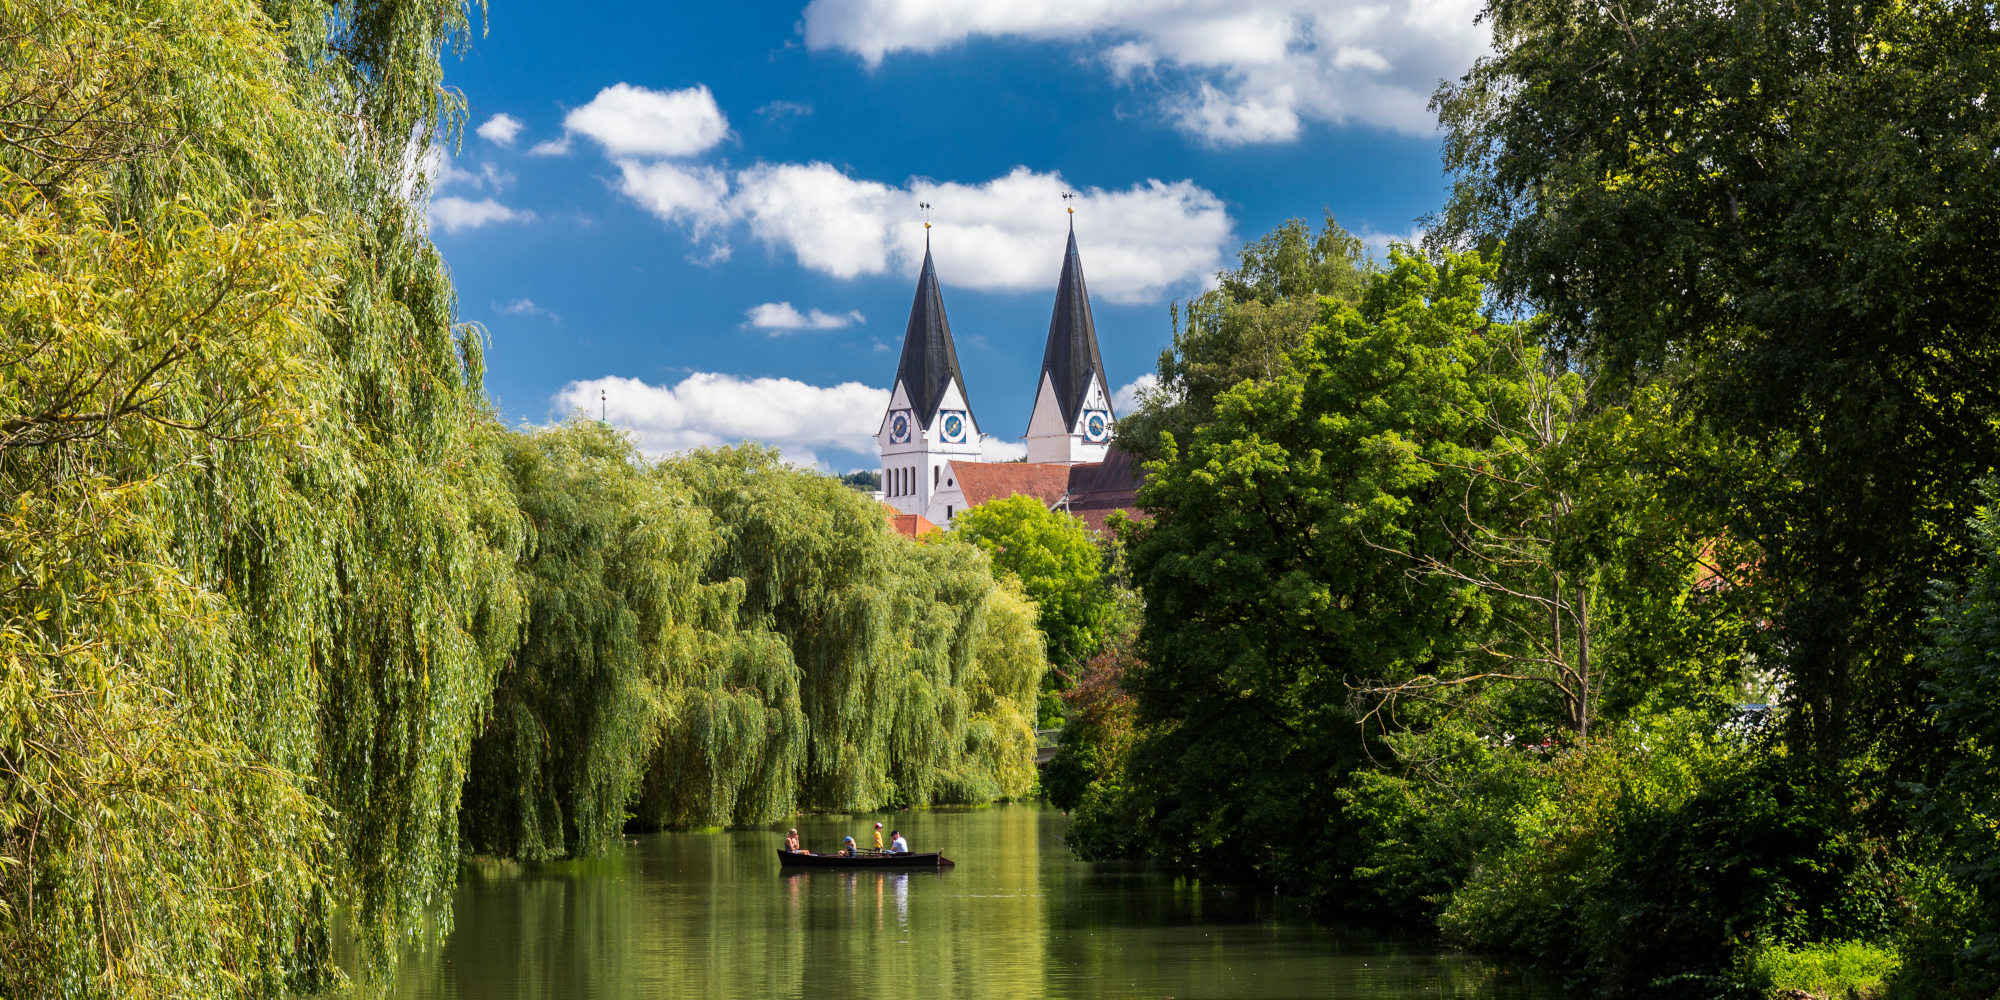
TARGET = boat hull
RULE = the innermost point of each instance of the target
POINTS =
(800, 859)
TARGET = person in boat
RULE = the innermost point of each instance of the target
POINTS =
(847, 848)
(792, 843)
(878, 838)
(897, 844)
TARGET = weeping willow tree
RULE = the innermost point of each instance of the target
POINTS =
(614, 613)
(255, 589)
(964, 679)
(862, 669)
(721, 639)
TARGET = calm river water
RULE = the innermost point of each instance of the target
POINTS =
(709, 915)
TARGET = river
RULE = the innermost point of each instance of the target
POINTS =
(709, 915)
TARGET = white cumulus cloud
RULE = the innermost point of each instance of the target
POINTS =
(1129, 395)
(452, 213)
(634, 121)
(694, 196)
(1378, 242)
(1235, 71)
(783, 317)
(527, 307)
(443, 171)
(1003, 234)
(709, 409)
(501, 129)
(993, 448)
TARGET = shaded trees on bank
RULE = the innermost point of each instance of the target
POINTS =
(1783, 212)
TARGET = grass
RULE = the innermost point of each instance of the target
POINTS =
(1839, 970)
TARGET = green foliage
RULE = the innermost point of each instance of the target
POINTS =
(1780, 210)
(1087, 776)
(1265, 593)
(1643, 860)
(1423, 829)
(1415, 516)
(914, 681)
(1838, 970)
(304, 602)
(1775, 216)
(610, 581)
(1244, 328)
(1059, 567)
(1963, 803)
(1450, 585)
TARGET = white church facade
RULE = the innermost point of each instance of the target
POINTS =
(930, 440)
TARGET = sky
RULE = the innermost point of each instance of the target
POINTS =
(705, 218)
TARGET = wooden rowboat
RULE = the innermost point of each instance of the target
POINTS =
(800, 859)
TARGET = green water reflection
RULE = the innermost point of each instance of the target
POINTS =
(709, 915)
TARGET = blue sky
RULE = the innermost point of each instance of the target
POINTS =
(709, 212)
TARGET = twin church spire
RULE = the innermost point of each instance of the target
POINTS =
(1072, 418)
(929, 368)
(930, 426)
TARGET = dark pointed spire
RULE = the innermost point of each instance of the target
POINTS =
(930, 362)
(1070, 360)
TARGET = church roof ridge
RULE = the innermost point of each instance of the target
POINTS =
(1071, 358)
(930, 362)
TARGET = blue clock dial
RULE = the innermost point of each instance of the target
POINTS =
(1096, 426)
(899, 428)
(954, 428)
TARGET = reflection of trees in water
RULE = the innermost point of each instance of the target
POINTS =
(684, 915)
(689, 915)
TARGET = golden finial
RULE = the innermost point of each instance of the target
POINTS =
(926, 206)
(1067, 195)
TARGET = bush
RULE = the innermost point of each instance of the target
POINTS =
(1421, 831)
(1657, 858)
(1086, 776)
(1835, 970)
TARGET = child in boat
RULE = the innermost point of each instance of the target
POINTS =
(878, 838)
(897, 843)
(792, 842)
(847, 849)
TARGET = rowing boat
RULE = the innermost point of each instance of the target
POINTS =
(800, 859)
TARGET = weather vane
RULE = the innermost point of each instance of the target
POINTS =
(926, 206)
(604, 405)
(1067, 195)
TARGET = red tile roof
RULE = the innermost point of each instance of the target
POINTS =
(909, 525)
(983, 481)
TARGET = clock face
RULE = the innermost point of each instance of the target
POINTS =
(1096, 426)
(899, 428)
(954, 426)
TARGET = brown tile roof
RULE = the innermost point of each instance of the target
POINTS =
(1097, 489)
(909, 525)
(1090, 491)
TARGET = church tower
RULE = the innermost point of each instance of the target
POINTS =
(1072, 421)
(929, 423)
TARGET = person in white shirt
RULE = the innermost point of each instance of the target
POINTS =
(897, 843)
